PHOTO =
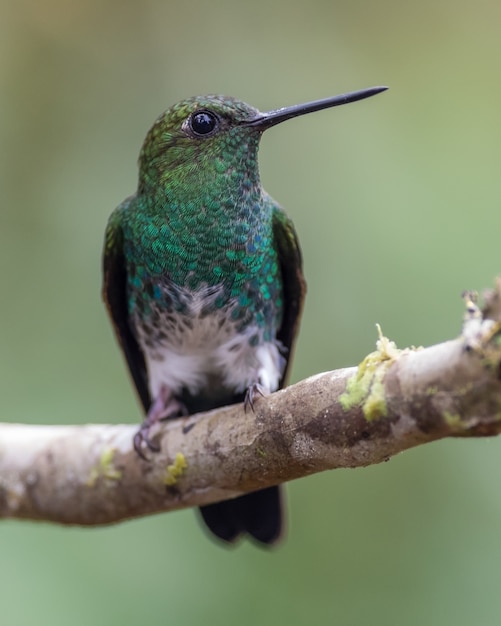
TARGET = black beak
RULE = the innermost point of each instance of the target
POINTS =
(270, 118)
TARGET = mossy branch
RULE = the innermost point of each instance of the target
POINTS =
(394, 400)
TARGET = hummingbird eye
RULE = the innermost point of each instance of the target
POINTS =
(203, 122)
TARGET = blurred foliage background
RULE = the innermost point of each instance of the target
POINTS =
(396, 201)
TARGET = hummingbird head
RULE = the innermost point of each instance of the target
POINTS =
(211, 136)
(196, 136)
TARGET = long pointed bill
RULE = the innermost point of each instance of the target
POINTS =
(270, 118)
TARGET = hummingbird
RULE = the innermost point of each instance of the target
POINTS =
(203, 279)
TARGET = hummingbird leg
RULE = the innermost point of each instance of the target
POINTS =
(165, 406)
(250, 395)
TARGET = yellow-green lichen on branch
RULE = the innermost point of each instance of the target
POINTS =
(453, 420)
(104, 468)
(366, 387)
(175, 470)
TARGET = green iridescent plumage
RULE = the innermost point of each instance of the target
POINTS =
(200, 216)
(203, 278)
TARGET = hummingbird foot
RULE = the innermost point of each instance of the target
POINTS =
(251, 394)
(165, 406)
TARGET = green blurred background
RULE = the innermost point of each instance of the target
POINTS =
(396, 201)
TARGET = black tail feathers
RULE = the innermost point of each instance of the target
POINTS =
(258, 514)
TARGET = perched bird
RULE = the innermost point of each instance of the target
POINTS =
(203, 278)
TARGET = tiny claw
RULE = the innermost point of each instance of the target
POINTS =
(164, 407)
(138, 440)
(250, 396)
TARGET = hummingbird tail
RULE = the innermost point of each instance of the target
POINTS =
(259, 514)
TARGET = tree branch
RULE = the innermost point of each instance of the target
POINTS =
(394, 400)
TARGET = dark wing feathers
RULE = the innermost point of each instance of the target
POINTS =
(294, 284)
(115, 297)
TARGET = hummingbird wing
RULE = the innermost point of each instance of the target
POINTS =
(294, 284)
(115, 297)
